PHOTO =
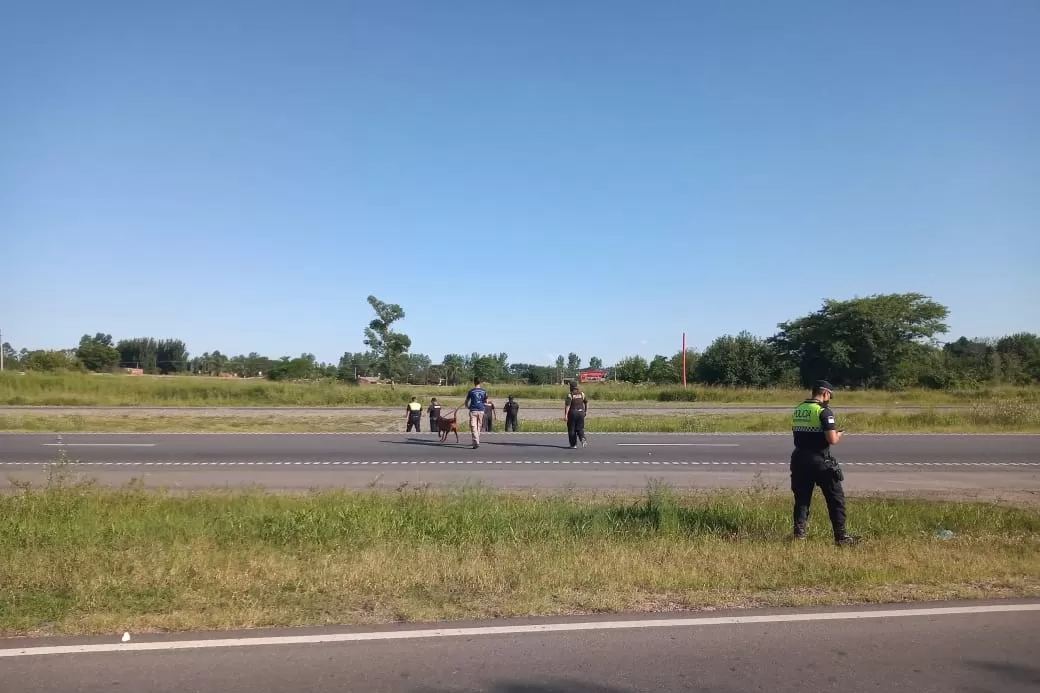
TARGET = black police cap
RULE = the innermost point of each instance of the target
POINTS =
(823, 385)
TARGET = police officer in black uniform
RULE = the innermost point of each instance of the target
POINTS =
(414, 415)
(575, 406)
(812, 464)
(434, 410)
(512, 410)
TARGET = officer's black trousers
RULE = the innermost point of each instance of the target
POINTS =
(809, 470)
(576, 427)
(413, 422)
(511, 422)
(433, 424)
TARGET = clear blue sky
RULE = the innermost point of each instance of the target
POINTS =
(242, 174)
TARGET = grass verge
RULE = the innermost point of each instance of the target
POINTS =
(86, 560)
(1005, 417)
(76, 389)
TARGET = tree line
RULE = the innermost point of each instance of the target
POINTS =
(880, 341)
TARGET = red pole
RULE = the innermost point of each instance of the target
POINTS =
(684, 360)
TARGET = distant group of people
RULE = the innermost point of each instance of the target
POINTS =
(483, 413)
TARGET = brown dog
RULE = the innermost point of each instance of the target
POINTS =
(446, 426)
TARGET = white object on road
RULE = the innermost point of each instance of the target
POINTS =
(126, 637)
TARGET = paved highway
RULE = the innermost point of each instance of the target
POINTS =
(877, 462)
(784, 651)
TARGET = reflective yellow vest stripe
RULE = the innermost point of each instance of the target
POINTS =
(414, 406)
(806, 418)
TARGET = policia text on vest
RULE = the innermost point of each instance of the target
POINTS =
(414, 412)
(814, 431)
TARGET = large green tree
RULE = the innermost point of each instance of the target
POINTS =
(303, 367)
(596, 363)
(353, 365)
(388, 346)
(46, 360)
(11, 358)
(1020, 358)
(860, 342)
(662, 371)
(743, 360)
(154, 356)
(97, 353)
(691, 365)
(454, 368)
(632, 369)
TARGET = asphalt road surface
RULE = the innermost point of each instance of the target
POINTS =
(864, 649)
(878, 462)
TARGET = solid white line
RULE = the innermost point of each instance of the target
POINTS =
(678, 445)
(509, 630)
(98, 445)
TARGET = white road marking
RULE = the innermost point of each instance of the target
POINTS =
(678, 445)
(511, 630)
(98, 445)
(773, 434)
(355, 463)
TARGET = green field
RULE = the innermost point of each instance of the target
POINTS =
(87, 560)
(75, 389)
(999, 417)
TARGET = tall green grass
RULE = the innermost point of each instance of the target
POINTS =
(74, 389)
(87, 560)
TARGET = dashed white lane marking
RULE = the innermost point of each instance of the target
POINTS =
(428, 633)
(518, 433)
(355, 463)
(678, 445)
(98, 445)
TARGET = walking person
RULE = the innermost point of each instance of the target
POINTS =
(575, 406)
(489, 416)
(414, 412)
(434, 410)
(812, 465)
(512, 410)
(476, 398)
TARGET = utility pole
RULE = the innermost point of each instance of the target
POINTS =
(684, 360)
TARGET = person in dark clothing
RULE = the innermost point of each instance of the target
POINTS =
(414, 415)
(512, 410)
(434, 410)
(812, 465)
(575, 406)
(489, 416)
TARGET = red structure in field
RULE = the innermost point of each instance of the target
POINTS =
(591, 376)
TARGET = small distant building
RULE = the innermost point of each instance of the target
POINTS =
(590, 375)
